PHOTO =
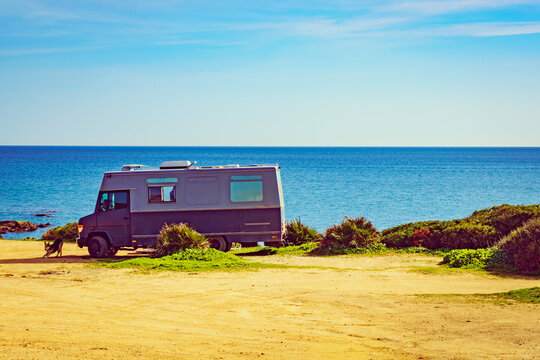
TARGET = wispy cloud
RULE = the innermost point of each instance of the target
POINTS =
(331, 28)
(484, 29)
(39, 51)
(450, 6)
(52, 24)
(492, 29)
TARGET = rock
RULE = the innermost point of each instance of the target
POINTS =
(44, 215)
(19, 226)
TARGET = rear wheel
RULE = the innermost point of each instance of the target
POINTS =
(219, 243)
(98, 247)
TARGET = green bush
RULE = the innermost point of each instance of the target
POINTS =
(505, 218)
(297, 233)
(68, 233)
(350, 234)
(176, 237)
(523, 246)
(467, 236)
(477, 258)
(482, 229)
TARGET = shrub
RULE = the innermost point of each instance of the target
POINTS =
(175, 237)
(467, 236)
(350, 234)
(480, 230)
(523, 246)
(68, 232)
(419, 235)
(505, 218)
(297, 233)
(478, 258)
(403, 235)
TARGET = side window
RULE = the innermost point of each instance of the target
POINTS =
(162, 193)
(246, 188)
(161, 190)
(113, 200)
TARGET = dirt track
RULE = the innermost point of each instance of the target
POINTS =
(334, 308)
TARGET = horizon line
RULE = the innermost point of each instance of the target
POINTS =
(287, 146)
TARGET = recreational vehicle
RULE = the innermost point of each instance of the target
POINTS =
(230, 203)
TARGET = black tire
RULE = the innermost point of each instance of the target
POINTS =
(219, 243)
(98, 247)
(229, 246)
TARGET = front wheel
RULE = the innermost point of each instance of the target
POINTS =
(98, 247)
(219, 243)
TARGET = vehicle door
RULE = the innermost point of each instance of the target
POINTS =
(113, 216)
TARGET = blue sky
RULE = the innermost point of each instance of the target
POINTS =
(270, 73)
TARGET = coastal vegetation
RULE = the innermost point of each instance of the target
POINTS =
(503, 237)
(68, 233)
(297, 233)
(188, 260)
(182, 248)
(476, 258)
(352, 234)
(177, 237)
(482, 229)
(523, 247)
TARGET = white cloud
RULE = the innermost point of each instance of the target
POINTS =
(451, 6)
(493, 29)
(485, 29)
(38, 51)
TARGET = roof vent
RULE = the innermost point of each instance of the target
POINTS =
(131, 167)
(176, 164)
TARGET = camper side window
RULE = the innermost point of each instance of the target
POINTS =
(161, 194)
(246, 188)
(113, 200)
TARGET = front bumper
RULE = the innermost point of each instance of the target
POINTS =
(81, 242)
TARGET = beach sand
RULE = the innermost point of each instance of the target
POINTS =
(357, 307)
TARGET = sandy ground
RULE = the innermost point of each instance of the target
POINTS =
(328, 308)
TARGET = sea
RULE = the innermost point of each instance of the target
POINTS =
(387, 185)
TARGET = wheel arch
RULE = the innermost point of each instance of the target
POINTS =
(103, 233)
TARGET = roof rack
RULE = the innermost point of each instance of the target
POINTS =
(176, 164)
(131, 167)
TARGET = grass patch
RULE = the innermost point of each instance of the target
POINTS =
(418, 250)
(528, 295)
(304, 249)
(310, 249)
(188, 260)
(443, 270)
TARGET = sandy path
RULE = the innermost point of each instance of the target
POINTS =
(337, 308)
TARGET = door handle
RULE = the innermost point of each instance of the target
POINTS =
(125, 218)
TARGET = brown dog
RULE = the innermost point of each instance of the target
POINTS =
(56, 246)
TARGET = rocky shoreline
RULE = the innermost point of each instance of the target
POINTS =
(19, 226)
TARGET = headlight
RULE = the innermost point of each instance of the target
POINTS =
(80, 228)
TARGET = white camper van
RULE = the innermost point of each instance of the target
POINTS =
(229, 203)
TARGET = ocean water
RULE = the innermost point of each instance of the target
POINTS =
(389, 186)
